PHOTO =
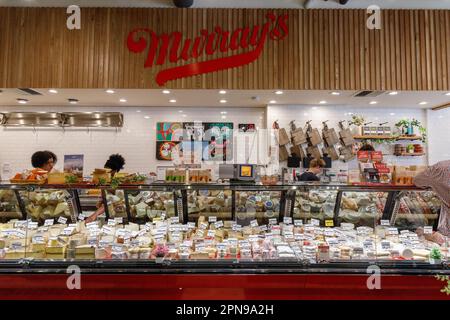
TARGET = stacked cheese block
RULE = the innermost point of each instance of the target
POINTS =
(208, 239)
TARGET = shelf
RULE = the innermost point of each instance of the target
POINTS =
(386, 137)
(410, 154)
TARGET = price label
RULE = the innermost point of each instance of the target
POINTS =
(385, 223)
(427, 230)
(191, 225)
(298, 223)
(16, 246)
(368, 244)
(81, 217)
(332, 241)
(38, 239)
(289, 236)
(386, 245)
(62, 220)
(329, 233)
(32, 225)
(108, 230)
(212, 219)
(309, 228)
(254, 223)
(174, 220)
(91, 225)
(263, 228)
(67, 231)
(211, 233)
(237, 227)
(218, 224)
(200, 233)
(393, 231)
(92, 241)
(117, 248)
(49, 222)
(287, 220)
(203, 225)
(118, 220)
(19, 233)
(329, 223)
(272, 221)
(163, 216)
(21, 224)
(315, 222)
(112, 223)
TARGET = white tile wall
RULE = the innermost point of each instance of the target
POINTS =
(136, 140)
(284, 114)
(439, 135)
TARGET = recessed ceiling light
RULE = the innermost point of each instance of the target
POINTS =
(184, 116)
(110, 91)
(224, 117)
(447, 94)
(222, 92)
(392, 114)
(279, 92)
(335, 93)
(138, 111)
(272, 101)
(22, 101)
(53, 91)
(166, 91)
(180, 111)
(147, 117)
(123, 100)
(42, 112)
(223, 112)
(373, 102)
(223, 101)
(322, 102)
(72, 101)
(172, 100)
(423, 103)
(314, 108)
(393, 93)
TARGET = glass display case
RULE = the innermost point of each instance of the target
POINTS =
(211, 227)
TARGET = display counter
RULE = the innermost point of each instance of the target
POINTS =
(226, 230)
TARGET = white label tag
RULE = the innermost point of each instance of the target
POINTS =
(32, 225)
(112, 222)
(237, 227)
(287, 220)
(119, 220)
(49, 222)
(91, 225)
(212, 219)
(163, 216)
(191, 225)
(385, 222)
(62, 220)
(67, 231)
(254, 223)
(21, 224)
(218, 224)
(315, 222)
(298, 222)
(385, 245)
(174, 220)
(81, 217)
(263, 227)
(427, 230)
(38, 239)
(203, 225)
(393, 231)
(107, 230)
(117, 248)
(211, 233)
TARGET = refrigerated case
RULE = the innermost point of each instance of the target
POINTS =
(211, 227)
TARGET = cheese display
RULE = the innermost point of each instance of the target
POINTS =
(261, 206)
(417, 209)
(362, 208)
(209, 203)
(315, 204)
(9, 207)
(212, 239)
(46, 204)
(149, 204)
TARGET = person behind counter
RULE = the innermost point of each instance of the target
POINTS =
(437, 177)
(315, 167)
(44, 160)
(116, 163)
(366, 147)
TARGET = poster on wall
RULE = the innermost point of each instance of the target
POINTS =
(193, 131)
(219, 136)
(247, 127)
(164, 150)
(74, 163)
(169, 131)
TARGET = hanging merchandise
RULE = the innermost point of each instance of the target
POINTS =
(297, 135)
(283, 153)
(346, 153)
(331, 151)
(313, 135)
(298, 151)
(346, 135)
(283, 137)
(329, 135)
(314, 151)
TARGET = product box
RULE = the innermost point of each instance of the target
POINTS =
(354, 176)
(376, 156)
(283, 137)
(363, 156)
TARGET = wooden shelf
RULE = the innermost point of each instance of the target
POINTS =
(411, 154)
(386, 137)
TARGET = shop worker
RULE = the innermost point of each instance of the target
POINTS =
(116, 163)
(315, 168)
(437, 177)
(44, 160)
(366, 147)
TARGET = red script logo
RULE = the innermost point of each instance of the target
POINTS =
(173, 47)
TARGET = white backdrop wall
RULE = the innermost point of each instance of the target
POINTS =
(439, 133)
(136, 141)
(318, 114)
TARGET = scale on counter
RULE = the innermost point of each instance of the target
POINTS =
(238, 173)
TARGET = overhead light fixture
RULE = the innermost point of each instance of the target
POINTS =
(166, 91)
(322, 102)
(183, 3)
(224, 117)
(279, 92)
(180, 111)
(147, 117)
(110, 91)
(393, 93)
(184, 116)
(392, 114)
(222, 92)
(72, 101)
(138, 111)
(172, 100)
(53, 91)
(373, 102)
(223, 112)
(272, 101)
(335, 93)
(223, 101)
(22, 101)
(423, 103)
(447, 94)
(123, 100)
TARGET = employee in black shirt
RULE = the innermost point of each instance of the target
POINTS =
(315, 167)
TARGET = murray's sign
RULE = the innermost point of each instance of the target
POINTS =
(240, 47)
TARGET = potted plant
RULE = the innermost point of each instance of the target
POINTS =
(435, 256)
(422, 130)
(403, 125)
(358, 121)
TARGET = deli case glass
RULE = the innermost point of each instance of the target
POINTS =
(227, 228)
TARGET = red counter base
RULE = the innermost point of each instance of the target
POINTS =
(223, 287)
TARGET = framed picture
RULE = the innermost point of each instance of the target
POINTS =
(193, 131)
(164, 150)
(169, 131)
(74, 163)
(247, 127)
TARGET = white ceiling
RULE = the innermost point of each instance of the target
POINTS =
(211, 98)
(386, 4)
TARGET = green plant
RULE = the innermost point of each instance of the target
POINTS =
(115, 182)
(71, 179)
(403, 123)
(357, 120)
(446, 289)
(435, 254)
(101, 181)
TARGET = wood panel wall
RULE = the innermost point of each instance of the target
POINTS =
(325, 49)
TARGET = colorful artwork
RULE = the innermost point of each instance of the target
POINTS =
(74, 164)
(169, 131)
(193, 131)
(164, 150)
(247, 127)
(220, 138)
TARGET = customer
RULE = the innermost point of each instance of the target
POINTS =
(116, 163)
(437, 177)
(366, 147)
(44, 160)
(315, 167)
